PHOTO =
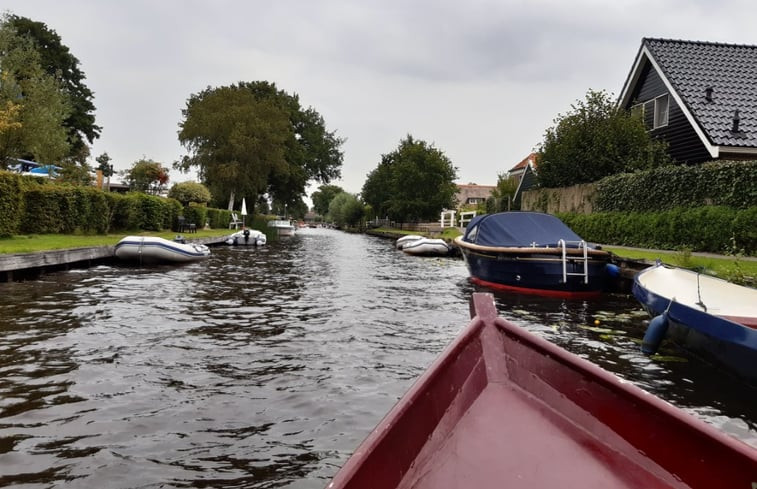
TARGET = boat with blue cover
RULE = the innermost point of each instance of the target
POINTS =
(534, 253)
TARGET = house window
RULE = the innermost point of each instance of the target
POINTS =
(638, 111)
(661, 106)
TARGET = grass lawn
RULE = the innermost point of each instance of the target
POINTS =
(43, 242)
(731, 268)
(727, 267)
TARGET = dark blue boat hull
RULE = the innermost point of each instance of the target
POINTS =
(536, 273)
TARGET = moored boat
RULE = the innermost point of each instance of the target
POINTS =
(426, 247)
(152, 249)
(407, 239)
(283, 227)
(501, 407)
(533, 253)
(711, 317)
(247, 236)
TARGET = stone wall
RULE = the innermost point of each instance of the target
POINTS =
(578, 198)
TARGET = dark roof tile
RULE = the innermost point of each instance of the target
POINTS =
(731, 71)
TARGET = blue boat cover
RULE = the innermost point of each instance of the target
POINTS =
(518, 229)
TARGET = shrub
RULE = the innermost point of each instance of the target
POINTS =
(715, 229)
(195, 213)
(186, 192)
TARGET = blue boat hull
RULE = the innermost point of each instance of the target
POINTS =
(715, 339)
(534, 272)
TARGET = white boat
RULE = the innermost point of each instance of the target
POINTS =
(401, 242)
(711, 317)
(247, 237)
(283, 227)
(427, 247)
(151, 249)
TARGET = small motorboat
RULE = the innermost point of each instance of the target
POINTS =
(250, 237)
(151, 249)
(502, 407)
(426, 247)
(533, 253)
(283, 227)
(409, 238)
(708, 316)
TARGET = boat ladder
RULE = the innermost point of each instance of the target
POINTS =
(584, 259)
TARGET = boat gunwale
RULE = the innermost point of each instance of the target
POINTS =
(670, 419)
(546, 250)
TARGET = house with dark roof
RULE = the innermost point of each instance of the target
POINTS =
(700, 97)
(518, 171)
(525, 174)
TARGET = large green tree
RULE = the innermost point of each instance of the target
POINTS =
(345, 210)
(250, 139)
(147, 176)
(414, 182)
(323, 196)
(32, 103)
(595, 139)
(57, 61)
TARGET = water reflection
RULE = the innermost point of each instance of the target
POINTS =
(265, 367)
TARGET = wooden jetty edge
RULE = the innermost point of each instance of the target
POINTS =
(20, 266)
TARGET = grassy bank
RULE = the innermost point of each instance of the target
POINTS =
(731, 268)
(43, 242)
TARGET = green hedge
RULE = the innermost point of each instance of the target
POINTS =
(219, 218)
(715, 229)
(36, 205)
(135, 211)
(11, 202)
(722, 183)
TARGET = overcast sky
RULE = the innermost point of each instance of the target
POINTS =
(481, 80)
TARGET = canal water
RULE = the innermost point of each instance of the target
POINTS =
(265, 367)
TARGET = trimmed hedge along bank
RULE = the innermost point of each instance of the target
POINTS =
(31, 205)
(715, 229)
(721, 183)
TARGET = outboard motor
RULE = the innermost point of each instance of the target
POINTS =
(180, 239)
(246, 234)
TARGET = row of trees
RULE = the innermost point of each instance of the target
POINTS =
(246, 140)
(252, 139)
(46, 109)
(412, 183)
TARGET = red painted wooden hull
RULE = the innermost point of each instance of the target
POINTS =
(504, 408)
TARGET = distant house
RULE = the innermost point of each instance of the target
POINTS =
(519, 170)
(700, 97)
(525, 173)
(472, 194)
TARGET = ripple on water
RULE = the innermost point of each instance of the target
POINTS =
(264, 367)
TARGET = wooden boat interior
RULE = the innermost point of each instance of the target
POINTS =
(504, 408)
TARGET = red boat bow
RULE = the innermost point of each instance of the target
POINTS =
(502, 407)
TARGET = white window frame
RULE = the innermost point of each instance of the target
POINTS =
(661, 111)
